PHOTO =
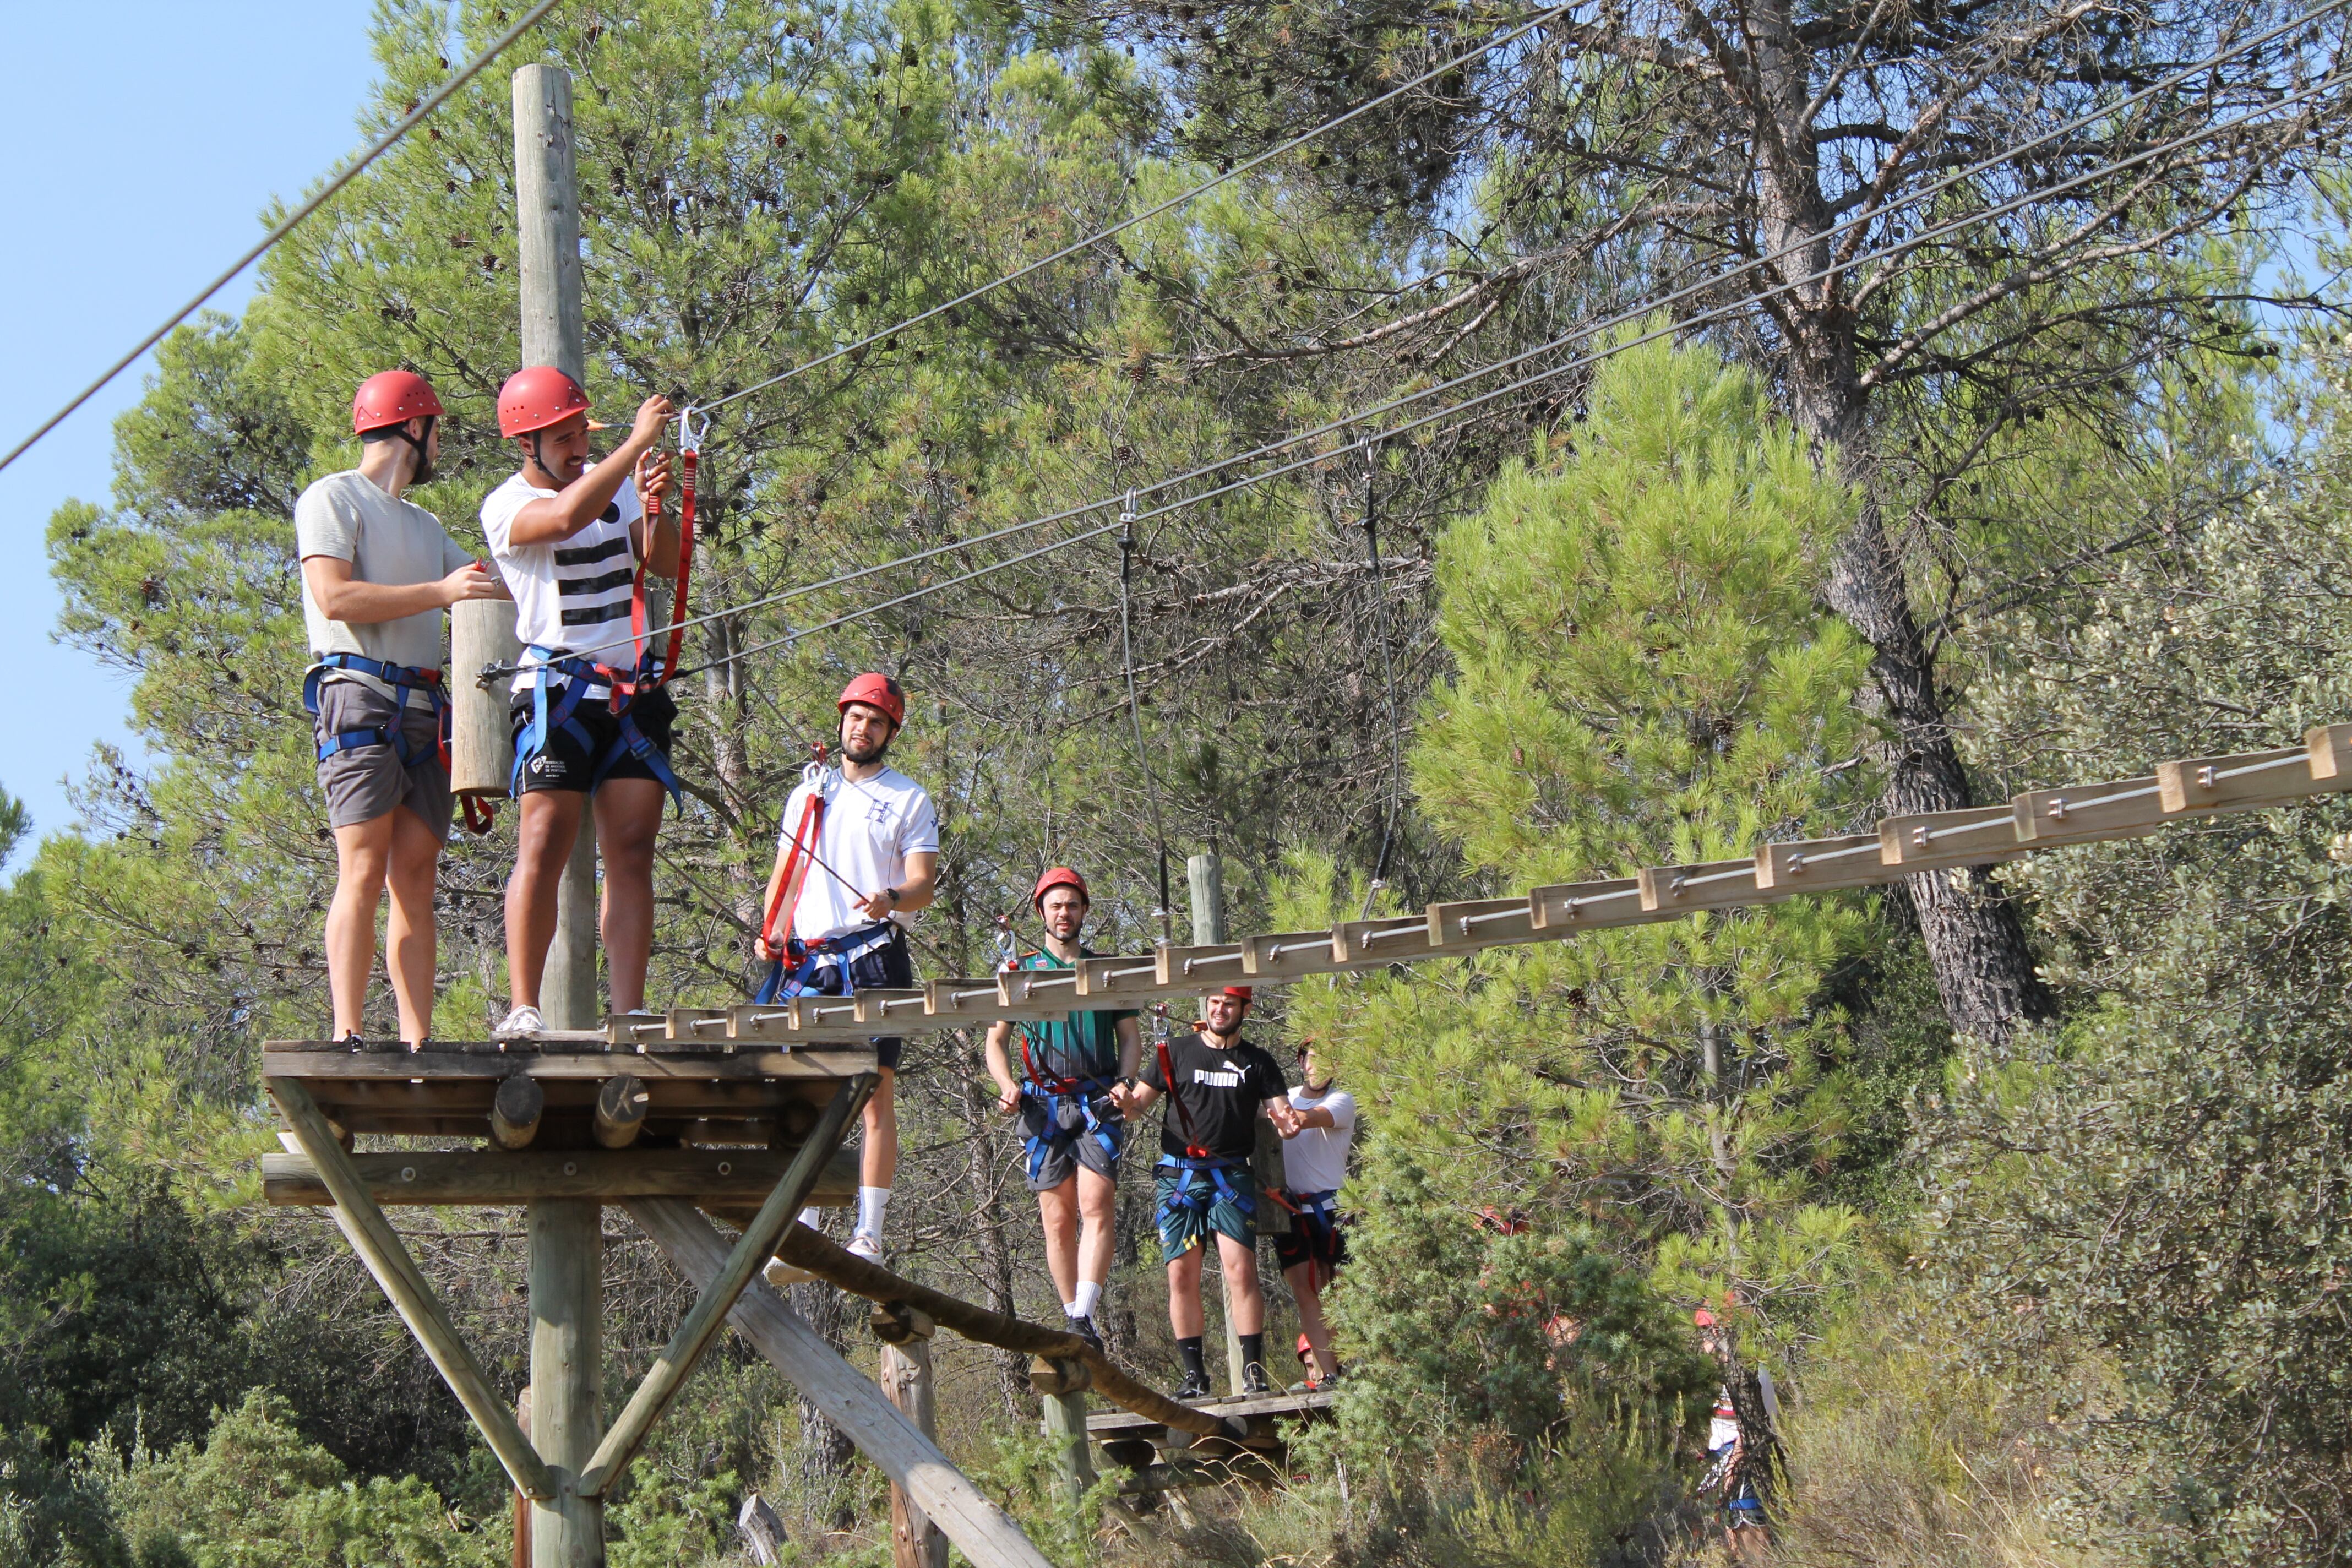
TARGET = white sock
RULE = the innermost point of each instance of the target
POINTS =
(814, 1217)
(871, 1201)
(1070, 1310)
(1089, 1297)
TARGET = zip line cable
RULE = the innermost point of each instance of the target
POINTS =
(1593, 329)
(1236, 172)
(383, 144)
(1580, 362)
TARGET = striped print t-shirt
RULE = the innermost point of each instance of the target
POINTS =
(571, 596)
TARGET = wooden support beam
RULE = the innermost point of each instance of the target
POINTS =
(321, 1059)
(1931, 841)
(1205, 967)
(984, 1533)
(515, 1111)
(693, 1336)
(2329, 747)
(1818, 865)
(2197, 786)
(704, 1028)
(371, 1236)
(2088, 814)
(621, 1107)
(974, 999)
(1128, 975)
(469, 1178)
(884, 1010)
(1477, 923)
(1062, 1388)
(1289, 955)
(904, 1373)
(1711, 885)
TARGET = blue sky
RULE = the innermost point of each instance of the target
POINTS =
(148, 138)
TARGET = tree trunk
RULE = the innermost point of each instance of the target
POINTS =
(1975, 941)
(988, 1227)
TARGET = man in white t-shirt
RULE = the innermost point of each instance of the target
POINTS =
(858, 856)
(377, 572)
(1314, 1169)
(570, 539)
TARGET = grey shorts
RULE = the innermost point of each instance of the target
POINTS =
(367, 781)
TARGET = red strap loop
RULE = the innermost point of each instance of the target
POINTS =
(798, 860)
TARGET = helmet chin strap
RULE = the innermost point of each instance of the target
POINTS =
(423, 469)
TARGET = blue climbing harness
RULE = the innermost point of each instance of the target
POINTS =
(1189, 1196)
(843, 948)
(404, 680)
(1084, 1119)
(546, 720)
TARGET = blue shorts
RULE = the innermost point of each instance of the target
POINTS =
(1195, 1203)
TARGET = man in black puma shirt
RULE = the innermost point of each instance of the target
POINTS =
(1217, 1085)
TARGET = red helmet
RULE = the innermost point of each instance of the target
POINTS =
(538, 397)
(877, 691)
(1059, 877)
(1238, 992)
(392, 397)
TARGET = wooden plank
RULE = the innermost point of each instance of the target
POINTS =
(1818, 865)
(1205, 966)
(1930, 840)
(1388, 940)
(2241, 782)
(888, 1011)
(489, 1178)
(373, 1237)
(705, 1028)
(2088, 814)
(844, 1059)
(1476, 924)
(1564, 908)
(974, 999)
(752, 1252)
(1134, 976)
(1710, 885)
(2329, 747)
(1037, 987)
(1309, 1403)
(986, 1533)
(1289, 955)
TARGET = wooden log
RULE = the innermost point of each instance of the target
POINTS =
(1063, 1418)
(805, 1248)
(435, 1178)
(985, 1533)
(1931, 841)
(481, 740)
(1818, 865)
(515, 1111)
(2242, 783)
(2088, 814)
(897, 1323)
(621, 1107)
(905, 1374)
(1049, 1375)
(693, 1336)
(373, 1237)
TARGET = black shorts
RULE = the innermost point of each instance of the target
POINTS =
(1315, 1236)
(888, 965)
(565, 764)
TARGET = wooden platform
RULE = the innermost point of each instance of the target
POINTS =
(1261, 1413)
(759, 1097)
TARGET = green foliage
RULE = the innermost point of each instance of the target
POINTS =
(259, 1495)
(1450, 1329)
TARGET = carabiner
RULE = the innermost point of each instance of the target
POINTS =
(689, 439)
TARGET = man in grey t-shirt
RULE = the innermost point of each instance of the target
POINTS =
(377, 572)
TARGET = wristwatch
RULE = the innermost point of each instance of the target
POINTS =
(891, 894)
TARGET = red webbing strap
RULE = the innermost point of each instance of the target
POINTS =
(688, 451)
(798, 860)
(1192, 1149)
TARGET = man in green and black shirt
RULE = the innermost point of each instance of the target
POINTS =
(1060, 1086)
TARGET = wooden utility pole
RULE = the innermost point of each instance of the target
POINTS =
(567, 1234)
(1204, 875)
(547, 232)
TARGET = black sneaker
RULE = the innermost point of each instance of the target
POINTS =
(1254, 1379)
(1194, 1386)
(1085, 1329)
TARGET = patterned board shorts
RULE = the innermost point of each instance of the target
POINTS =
(1195, 1204)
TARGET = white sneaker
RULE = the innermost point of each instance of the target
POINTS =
(869, 1247)
(519, 1024)
(780, 1274)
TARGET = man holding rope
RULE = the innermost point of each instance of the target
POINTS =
(1073, 1129)
(1217, 1085)
(859, 855)
(573, 542)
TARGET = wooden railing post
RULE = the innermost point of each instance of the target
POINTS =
(1063, 1386)
(906, 1378)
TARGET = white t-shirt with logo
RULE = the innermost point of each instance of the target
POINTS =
(870, 828)
(1316, 1160)
(572, 595)
(387, 540)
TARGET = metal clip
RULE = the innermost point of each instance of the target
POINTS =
(2058, 808)
(689, 439)
(2206, 776)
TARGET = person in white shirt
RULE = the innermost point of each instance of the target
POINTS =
(571, 540)
(377, 572)
(858, 856)
(1314, 1169)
